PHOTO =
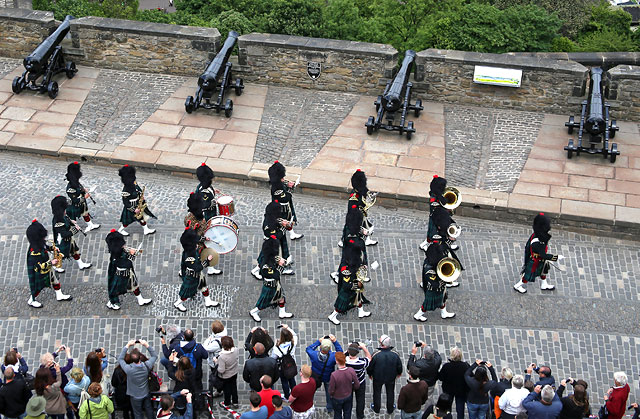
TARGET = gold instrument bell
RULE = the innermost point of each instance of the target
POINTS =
(453, 197)
(204, 255)
(448, 269)
(454, 230)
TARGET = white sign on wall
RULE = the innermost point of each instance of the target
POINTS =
(509, 77)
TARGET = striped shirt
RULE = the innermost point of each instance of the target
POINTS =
(359, 365)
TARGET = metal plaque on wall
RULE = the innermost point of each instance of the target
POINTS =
(314, 69)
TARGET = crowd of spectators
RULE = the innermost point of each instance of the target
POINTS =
(62, 389)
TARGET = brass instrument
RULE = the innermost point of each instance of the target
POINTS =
(57, 255)
(362, 273)
(142, 205)
(453, 197)
(449, 269)
(286, 224)
(454, 230)
(369, 200)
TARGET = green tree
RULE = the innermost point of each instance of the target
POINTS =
(563, 44)
(608, 29)
(607, 40)
(231, 20)
(293, 17)
(342, 20)
(119, 9)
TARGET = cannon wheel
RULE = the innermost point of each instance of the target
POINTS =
(571, 122)
(52, 89)
(238, 87)
(370, 125)
(189, 104)
(418, 105)
(70, 69)
(614, 153)
(612, 129)
(378, 102)
(570, 149)
(228, 108)
(409, 130)
(17, 85)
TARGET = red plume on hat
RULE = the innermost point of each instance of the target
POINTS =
(75, 162)
(35, 220)
(202, 164)
(113, 230)
(273, 236)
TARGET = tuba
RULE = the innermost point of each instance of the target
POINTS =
(453, 197)
(454, 230)
(448, 269)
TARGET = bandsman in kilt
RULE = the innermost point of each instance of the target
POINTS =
(191, 267)
(272, 294)
(536, 258)
(39, 265)
(63, 231)
(272, 225)
(78, 195)
(351, 285)
(437, 210)
(131, 196)
(206, 191)
(197, 221)
(281, 192)
(357, 197)
(121, 275)
(435, 289)
(353, 236)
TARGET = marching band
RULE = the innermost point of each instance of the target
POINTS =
(210, 231)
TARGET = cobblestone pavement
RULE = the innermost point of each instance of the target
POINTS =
(297, 123)
(118, 103)
(7, 65)
(586, 328)
(487, 148)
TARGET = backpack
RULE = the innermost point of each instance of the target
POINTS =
(288, 367)
(84, 396)
(154, 380)
(190, 355)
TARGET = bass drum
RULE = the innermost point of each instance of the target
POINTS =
(222, 235)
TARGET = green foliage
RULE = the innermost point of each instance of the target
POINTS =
(608, 29)
(563, 44)
(120, 9)
(76, 8)
(342, 19)
(607, 40)
(231, 20)
(292, 17)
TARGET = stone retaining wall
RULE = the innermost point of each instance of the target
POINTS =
(346, 66)
(21, 30)
(142, 46)
(547, 84)
(624, 92)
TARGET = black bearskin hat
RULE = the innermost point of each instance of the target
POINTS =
(353, 257)
(541, 224)
(195, 203)
(276, 172)
(58, 205)
(273, 211)
(73, 172)
(189, 239)
(36, 235)
(438, 184)
(436, 251)
(127, 174)
(204, 174)
(115, 241)
(270, 248)
(354, 219)
(359, 182)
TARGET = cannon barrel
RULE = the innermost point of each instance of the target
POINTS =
(392, 98)
(36, 62)
(595, 123)
(209, 78)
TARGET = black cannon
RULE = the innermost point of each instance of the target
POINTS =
(46, 61)
(214, 78)
(595, 121)
(396, 96)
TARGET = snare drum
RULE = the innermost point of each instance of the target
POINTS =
(222, 234)
(226, 206)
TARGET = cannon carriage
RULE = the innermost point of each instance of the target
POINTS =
(45, 62)
(595, 122)
(396, 97)
(216, 76)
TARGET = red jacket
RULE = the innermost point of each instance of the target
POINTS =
(617, 403)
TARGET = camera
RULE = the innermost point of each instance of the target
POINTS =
(137, 341)
(160, 330)
(483, 362)
(98, 350)
(326, 337)
(15, 349)
(417, 343)
(535, 369)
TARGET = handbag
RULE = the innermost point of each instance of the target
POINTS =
(318, 378)
(603, 413)
(215, 382)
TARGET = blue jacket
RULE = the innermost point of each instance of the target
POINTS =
(316, 364)
(537, 410)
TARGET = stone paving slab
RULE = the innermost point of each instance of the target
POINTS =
(520, 153)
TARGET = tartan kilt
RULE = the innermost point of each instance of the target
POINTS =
(190, 286)
(127, 217)
(38, 282)
(529, 273)
(209, 214)
(118, 285)
(74, 212)
(269, 296)
(69, 248)
(434, 300)
(348, 299)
